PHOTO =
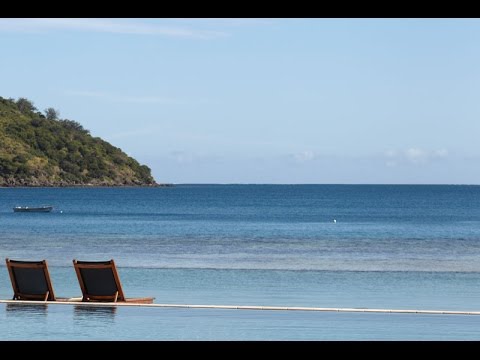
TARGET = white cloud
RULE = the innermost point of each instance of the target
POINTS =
(113, 26)
(416, 155)
(413, 155)
(304, 156)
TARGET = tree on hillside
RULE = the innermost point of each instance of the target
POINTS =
(25, 106)
(52, 114)
(75, 125)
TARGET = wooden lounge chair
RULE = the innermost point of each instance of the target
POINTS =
(99, 281)
(30, 280)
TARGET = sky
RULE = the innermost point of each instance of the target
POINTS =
(284, 101)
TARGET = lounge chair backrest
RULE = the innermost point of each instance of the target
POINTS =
(30, 280)
(99, 280)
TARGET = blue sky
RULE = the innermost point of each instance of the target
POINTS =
(262, 100)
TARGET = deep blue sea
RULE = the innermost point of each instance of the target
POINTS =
(392, 246)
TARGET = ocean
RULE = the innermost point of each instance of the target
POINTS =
(362, 246)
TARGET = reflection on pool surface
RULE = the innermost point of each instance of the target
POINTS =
(78, 322)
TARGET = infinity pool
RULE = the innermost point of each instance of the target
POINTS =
(65, 322)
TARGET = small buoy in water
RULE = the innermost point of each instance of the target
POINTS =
(334, 221)
(61, 211)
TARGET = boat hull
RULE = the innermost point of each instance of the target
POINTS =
(33, 209)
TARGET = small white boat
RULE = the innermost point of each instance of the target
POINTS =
(32, 209)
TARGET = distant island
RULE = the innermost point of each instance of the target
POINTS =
(40, 149)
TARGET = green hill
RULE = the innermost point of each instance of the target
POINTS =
(42, 150)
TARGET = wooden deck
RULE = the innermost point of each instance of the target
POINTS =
(247, 307)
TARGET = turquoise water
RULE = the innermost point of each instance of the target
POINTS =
(404, 247)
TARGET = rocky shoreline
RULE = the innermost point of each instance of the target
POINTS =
(12, 182)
